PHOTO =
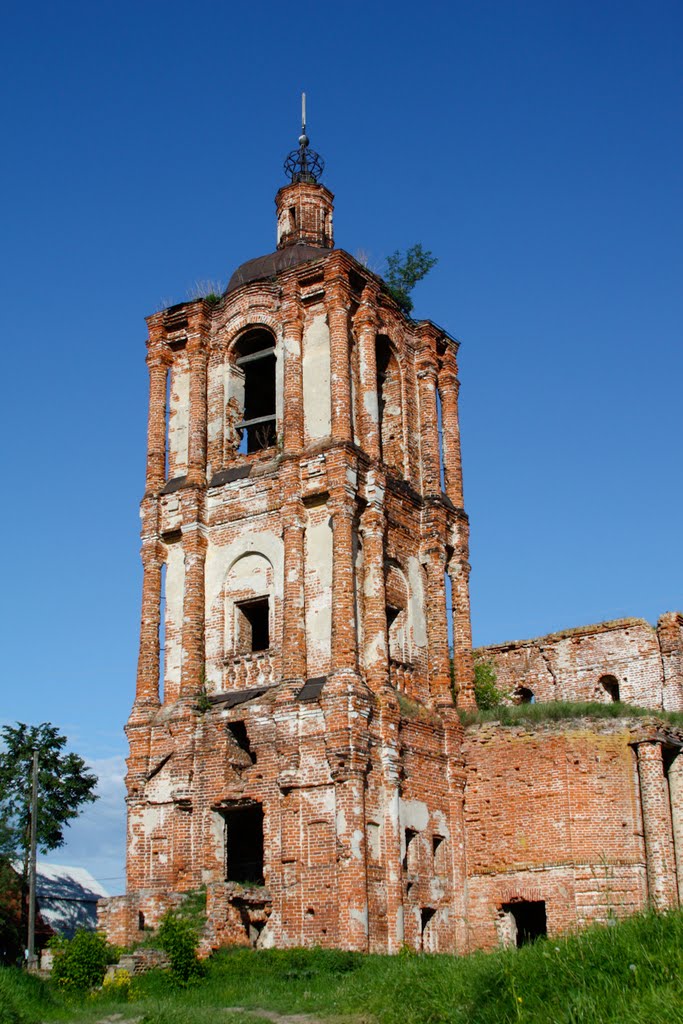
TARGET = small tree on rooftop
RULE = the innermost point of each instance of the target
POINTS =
(404, 270)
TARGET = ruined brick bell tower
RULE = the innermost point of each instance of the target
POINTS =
(294, 743)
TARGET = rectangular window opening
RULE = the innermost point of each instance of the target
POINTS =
(244, 844)
(253, 626)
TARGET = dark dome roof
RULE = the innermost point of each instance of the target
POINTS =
(275, 262)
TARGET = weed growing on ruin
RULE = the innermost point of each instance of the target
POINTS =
(404, 270)
(486, 692)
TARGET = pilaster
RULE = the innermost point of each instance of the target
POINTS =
(337, 301)
(293, 399)
(661, 877)
(449, 386)
(365, 326)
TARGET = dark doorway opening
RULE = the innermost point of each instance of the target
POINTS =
(244, 844)
(530, 920)
(611, 687)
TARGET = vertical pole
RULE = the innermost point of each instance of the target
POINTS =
(31, 944)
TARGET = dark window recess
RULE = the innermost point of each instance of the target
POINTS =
(244, 844)
(529, 918)
(238, 731)
(611, 687)
(256, 357)
(141, 921)
(410, 835)
(392, 615)
(523, 695)
(253, 626)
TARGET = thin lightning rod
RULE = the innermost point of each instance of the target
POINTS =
(303, 112)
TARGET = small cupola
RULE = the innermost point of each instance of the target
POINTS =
(304, 206)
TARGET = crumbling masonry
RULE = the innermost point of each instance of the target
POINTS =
(295, 744)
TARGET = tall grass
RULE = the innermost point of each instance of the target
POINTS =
(630, 973)
(557, 711)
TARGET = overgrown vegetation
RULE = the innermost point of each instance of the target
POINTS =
(557, 711)
(404, 270)
(486, 692)
(80, 963)
(179, 939)
(630, 973)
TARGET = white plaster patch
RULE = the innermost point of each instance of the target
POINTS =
(356, 840)
(414, 814)
(319, 594)
(361, 916)
(416, 602)
(175, 586)
(178, 421)
(316, 379)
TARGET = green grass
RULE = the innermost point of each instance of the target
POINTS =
(557, 711)
(631, 973)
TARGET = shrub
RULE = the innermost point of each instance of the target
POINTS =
(178, 938)
(486, 693)
(80, 963)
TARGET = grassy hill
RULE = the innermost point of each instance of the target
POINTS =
(630, 973)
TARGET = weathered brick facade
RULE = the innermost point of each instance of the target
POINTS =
(294, 742)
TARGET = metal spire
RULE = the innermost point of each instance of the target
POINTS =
(304, 164)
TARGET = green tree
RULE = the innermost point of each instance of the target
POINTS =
(64, 785)
(405, 270)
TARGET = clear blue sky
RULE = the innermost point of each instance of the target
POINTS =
(534, 147)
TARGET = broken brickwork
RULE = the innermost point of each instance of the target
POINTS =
(295, 742)
(626, 659)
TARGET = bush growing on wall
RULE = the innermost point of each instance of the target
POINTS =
(486, 693)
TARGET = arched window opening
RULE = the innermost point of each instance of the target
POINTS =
(611, 687)
(389, 404)
(398, 638)
(249, 605)
(254, 365)
(523, 695)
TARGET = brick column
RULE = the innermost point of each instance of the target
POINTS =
(661, 877)
(450, 428)
(352, 888)
(376, 650)
(192, 669)
(459, 572)
(344, 634)
(293, 387)
(337, 303)
(147, 684)
(365, 324)
(294, 607)
(429, 429)
(675, 776)
(390, 754)
(437, 617)
(158, 362)
(196, 454)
